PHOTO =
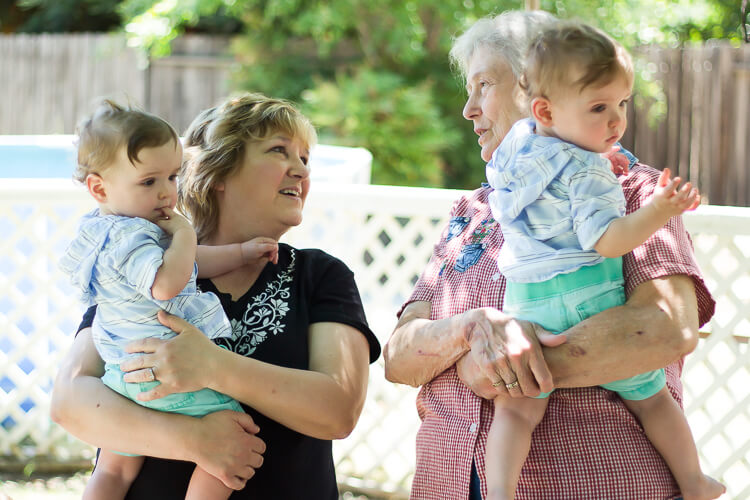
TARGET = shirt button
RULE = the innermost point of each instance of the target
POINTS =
(495, 276)
(473, 428)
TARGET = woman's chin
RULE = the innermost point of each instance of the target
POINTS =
(486, 152)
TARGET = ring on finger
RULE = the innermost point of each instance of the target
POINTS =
(498, 384)
(151, 375)
(512, 385)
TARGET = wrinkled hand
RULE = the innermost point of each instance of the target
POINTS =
(225, 445)
(173, 222)
(179, 364)
(620, 162)
(672, 199)
(260, 249)
(504, 350)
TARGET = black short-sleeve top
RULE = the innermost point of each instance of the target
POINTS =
(270, 323)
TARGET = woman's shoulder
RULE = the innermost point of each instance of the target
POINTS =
(639, 183)
(470, 201)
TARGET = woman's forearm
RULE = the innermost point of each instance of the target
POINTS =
(86, 408)
(420, 349)
(323, 402)
(657, 326)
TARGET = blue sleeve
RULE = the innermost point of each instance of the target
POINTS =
(596, 199)
(137, 257)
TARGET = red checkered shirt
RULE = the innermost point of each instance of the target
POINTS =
(588, 446)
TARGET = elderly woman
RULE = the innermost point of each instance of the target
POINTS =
(454, 341)
(298, 357)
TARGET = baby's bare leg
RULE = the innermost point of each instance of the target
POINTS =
(204, 486)
(112, 476)
(668, 430)
(508, 443)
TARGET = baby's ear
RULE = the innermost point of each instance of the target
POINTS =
(541, 110)
(95, 185)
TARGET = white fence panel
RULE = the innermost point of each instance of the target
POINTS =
(385, 234)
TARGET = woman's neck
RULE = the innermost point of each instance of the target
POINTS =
(239, 280)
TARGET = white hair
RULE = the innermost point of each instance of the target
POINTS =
(508, 35)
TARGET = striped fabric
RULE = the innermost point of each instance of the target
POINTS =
(588, 446)
(112, 262)
(554, 201)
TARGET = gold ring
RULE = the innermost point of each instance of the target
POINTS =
(498, 384)
(512, 385)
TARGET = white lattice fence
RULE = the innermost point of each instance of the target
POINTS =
(385, 235)
(38, 314)
(717, 374)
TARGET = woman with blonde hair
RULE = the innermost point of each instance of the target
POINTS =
(298, 357)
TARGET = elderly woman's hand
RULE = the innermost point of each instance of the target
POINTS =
(180, 364)
(505, 355)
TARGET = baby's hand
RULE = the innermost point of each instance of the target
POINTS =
(619, 161)
(173, 222)
(670, 199)
(260, 248)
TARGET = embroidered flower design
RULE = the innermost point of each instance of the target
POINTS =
(264, 314)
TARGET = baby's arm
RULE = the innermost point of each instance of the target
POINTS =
(216, 260)
(179, 259)
(626, 233)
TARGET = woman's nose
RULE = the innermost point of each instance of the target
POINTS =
(300, 169)
(472, 109)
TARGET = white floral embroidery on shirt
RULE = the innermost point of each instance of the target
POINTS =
(264, 314)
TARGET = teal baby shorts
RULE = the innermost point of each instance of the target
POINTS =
(566, 299)
(194, 404)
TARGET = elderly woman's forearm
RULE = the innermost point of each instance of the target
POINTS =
(420, 349)
(657, 326)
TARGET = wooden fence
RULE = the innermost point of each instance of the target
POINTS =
(705, 134)
(47, 82)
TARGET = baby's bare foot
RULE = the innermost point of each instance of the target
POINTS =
(704, 488)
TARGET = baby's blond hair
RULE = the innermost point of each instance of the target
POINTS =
(112, 126)
(573, 56)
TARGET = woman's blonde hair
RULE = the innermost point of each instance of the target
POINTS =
(573, 55)
(215, 147)
(112, 126)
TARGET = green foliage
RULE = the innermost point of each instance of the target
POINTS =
(45, 16)
(398, 121)
(375, 73)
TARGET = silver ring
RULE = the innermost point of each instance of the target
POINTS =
(512, 385)
(152, 376)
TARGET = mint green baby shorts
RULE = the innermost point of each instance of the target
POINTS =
(567, 299)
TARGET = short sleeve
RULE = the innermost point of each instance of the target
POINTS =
(596, 199)
(88, 319)
(424, 288)
(137, 258)
(667, 252)
(336, 299)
